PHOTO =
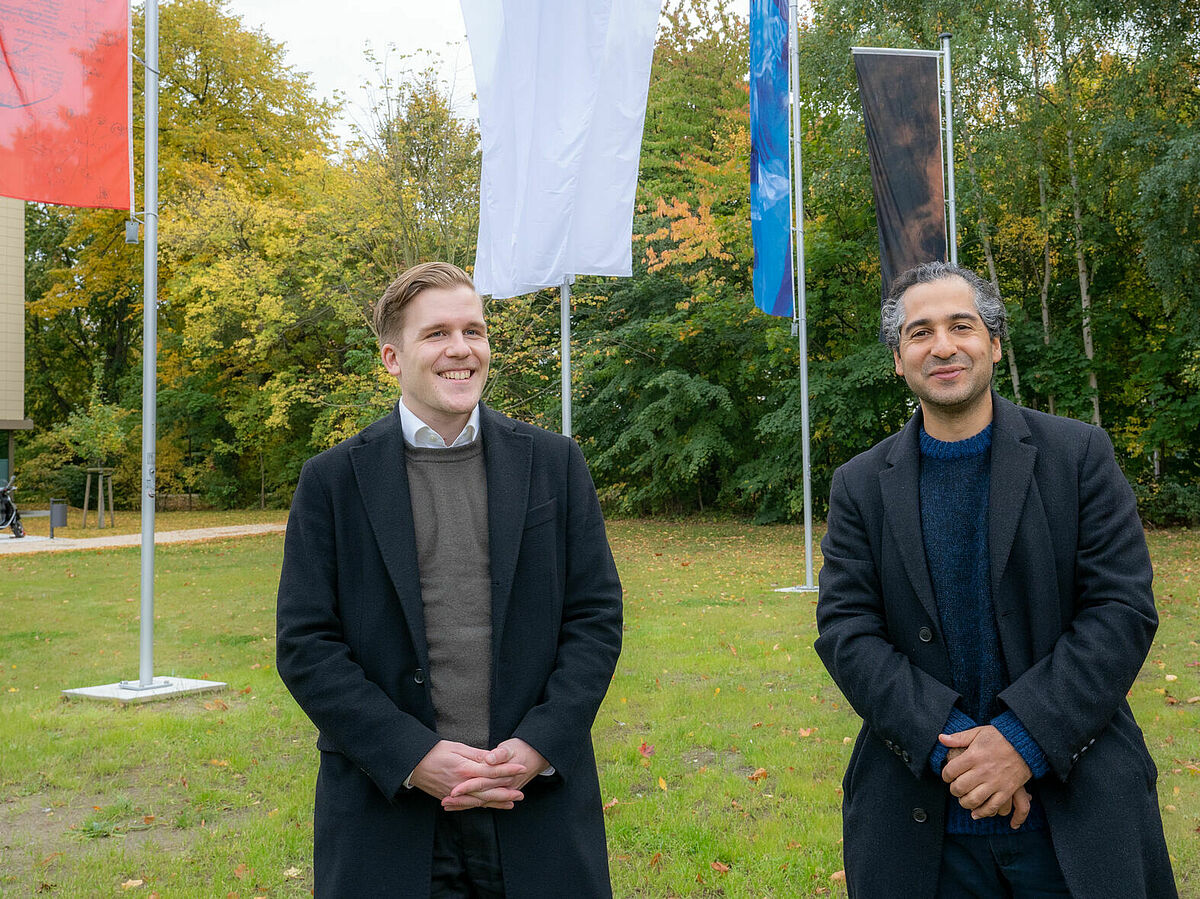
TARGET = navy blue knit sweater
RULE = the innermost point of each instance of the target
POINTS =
(955, 481)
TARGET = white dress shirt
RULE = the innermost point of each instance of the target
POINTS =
(419, 434)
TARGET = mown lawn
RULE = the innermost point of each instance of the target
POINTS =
(721, 743)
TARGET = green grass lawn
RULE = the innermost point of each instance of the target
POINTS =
(721, 744)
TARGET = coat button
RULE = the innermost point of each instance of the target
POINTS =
(907, 758)
(925, 634)
(419, 676)
(919, 815)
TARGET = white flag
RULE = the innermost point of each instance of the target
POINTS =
(562, 100)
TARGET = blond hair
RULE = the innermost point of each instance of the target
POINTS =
(389, 311)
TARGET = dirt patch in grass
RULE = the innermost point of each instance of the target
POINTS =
(726, 760)
(38, 830)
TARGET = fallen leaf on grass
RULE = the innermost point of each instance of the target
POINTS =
(246, 690)
(720, 867)
(792, 844)
(240, 871)
(655, 859)
(1192, 699)
(612, 803)
(806, 731)
(132, 884)
(759, 774)
(214, 705)
(646, 749)
(148, 819)
(838, 876)
(219, 763)
(1171, 678)
(662, 784)
(292, 873)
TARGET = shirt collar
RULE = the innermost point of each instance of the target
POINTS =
(419, 434)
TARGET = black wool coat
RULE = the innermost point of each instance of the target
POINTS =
(352, 650)
(1071, 588)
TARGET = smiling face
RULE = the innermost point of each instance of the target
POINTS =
(946, 356)
(441, 357)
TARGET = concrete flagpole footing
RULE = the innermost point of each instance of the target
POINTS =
(133, 691)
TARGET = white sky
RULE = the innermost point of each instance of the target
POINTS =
(328, 40)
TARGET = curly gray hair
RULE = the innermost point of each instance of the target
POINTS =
(987, 299)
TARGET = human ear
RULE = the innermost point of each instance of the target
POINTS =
(391, 359)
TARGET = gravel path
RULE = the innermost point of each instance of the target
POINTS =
(10, 545)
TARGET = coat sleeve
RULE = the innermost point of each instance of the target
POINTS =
(1068, 697)
(589, 638)
(904, 706)
(315, 661)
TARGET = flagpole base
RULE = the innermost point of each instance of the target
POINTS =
(134, 691)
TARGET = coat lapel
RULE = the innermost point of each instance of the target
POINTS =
(900, 489)
(383, 484)
(1012, 474)
(508, 460)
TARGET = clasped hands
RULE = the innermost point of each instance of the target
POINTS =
(986, 774)
(464, 777)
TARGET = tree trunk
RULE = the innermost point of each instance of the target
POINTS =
(1085, 297)
(985, 237)
(1043, 212)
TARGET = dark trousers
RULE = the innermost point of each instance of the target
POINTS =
(466, 856)
(1016, 865)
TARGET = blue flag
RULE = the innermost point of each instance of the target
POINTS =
(770, 178)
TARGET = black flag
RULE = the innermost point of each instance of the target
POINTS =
(899, 90)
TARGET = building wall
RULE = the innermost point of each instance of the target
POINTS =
(12, 311)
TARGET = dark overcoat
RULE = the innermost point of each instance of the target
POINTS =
(352, 650)
(1071, 587)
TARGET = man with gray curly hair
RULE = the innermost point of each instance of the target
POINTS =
(985, 606)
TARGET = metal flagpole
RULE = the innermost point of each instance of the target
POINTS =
(800, 326)
(949, 105)
(565, 333)
(149, 350)
(146, 686)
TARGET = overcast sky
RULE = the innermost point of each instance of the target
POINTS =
(327, 40)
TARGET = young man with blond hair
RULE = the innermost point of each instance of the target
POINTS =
(450, 618)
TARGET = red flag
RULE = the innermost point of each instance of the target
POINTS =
(64, 102)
